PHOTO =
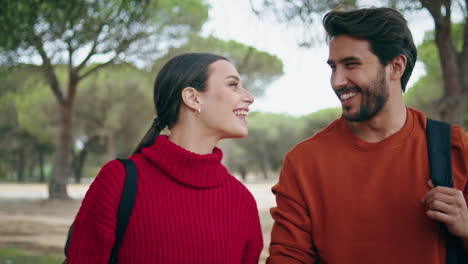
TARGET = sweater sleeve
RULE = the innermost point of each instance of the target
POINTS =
(460, 158)
(254, 243)
(93, 234)
(291, 235)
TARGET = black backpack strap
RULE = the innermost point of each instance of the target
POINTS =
(67, 243)
(124, 212)
(439, 144)
(125, 207)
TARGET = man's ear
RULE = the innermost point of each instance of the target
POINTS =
(398, 67)
(190, 97)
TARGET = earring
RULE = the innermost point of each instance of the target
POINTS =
(199, 110)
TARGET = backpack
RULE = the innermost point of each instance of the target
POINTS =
(439, 145)
(124, 212)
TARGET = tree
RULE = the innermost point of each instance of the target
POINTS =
(257, 68)
(21, 146)
(428, 90)
(118, 105)
(316, 121)
(454, 65)
(270, 137)
(75, 33)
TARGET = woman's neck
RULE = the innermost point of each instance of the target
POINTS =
(192, 140)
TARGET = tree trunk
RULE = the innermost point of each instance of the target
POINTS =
(80, 161)
(111, 152)
(62, 160)
(265, 166)
(451, 106)
(40, 154)
(243, 173)
(31, 165)
(20, 166)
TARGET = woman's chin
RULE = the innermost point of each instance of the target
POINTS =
(238, 134)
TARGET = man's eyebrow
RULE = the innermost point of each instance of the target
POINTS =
(232, 76)
(346, 59)
(350, 58)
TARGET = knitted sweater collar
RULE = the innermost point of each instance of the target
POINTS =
(186, 167)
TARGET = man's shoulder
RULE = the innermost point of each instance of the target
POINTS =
(459, 138)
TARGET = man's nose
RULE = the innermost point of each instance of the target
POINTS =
(339, 79)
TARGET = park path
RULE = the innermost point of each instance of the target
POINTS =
(261, 191)
(31, 222)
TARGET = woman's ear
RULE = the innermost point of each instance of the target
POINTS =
(398, 67)
(190, 97)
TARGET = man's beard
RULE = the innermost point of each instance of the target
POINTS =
(374, 97)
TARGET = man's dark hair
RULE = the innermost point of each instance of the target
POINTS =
(385, 29)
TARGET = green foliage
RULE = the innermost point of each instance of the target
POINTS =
(15, 256)
(316, 121)
(270, 137)
(117, 102)
(113, 106)
(19, 136)
(37, 112)
(428, 90)
(257, 68)
(132, 28)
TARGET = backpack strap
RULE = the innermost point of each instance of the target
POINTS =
(125, 207)
(124, 212)
(439, 144)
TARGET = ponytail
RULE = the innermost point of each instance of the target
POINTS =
(151, 135)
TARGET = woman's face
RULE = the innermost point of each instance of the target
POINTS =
(225, 102)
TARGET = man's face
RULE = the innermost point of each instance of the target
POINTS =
(358, 78)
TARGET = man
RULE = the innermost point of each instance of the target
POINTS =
(359, 191)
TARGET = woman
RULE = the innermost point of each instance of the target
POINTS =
(188, 208)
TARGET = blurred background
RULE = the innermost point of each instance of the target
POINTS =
(76, 91)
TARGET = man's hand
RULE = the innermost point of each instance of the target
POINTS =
(448, 206)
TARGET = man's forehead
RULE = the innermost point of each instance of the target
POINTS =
(347, 47)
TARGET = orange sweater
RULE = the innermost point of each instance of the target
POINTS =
(343, 200)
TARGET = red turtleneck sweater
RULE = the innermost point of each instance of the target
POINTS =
(188, 209)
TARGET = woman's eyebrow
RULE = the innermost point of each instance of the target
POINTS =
(232, 76)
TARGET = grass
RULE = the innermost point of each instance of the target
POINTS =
(16, 256)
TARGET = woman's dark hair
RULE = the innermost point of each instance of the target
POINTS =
(186, 70)
(385, 29)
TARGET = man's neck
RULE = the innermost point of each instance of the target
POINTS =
(383, 125)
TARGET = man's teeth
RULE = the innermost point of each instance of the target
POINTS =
(241, 112)
(347, 96)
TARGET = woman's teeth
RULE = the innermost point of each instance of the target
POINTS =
(241, 113)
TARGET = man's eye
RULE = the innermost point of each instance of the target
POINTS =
(351, 64)
(233, 84)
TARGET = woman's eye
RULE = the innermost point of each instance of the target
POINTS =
(233, 84)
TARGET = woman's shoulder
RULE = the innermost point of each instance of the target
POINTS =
(113, 171)
(102, 198)
(242, 192)
(109, 181)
